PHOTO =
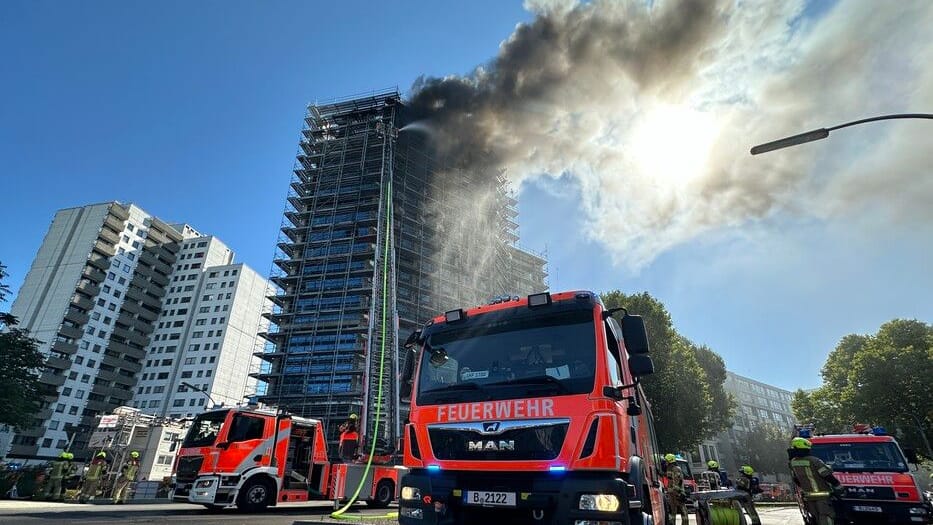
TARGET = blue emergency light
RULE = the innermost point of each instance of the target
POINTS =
(878, 431)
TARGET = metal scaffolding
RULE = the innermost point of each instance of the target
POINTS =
(451, 245)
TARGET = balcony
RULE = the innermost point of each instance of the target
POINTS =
(109, 236)
(119, 212)
(23, 451)
(159, 279)
(88, 288)
(147, 315)
(65, 348)
(125, 349)
(98, 261)
(103, 248)
(60, 363)
(94, 274)
(71, 332)
(52, 379)
(114, 223)
(131, 307)
(76, 316)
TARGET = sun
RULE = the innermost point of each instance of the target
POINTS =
(671, 144)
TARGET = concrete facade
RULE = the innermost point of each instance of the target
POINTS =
(91, 297)
(206, 333)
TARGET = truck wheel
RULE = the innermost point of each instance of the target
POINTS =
(385, 493)
(256, 495)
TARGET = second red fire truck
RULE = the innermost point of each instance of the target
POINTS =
(253, 459)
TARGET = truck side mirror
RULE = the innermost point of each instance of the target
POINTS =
(413, 339)
(223, 445)
(634, 334)
(640, 365)
(911, 455)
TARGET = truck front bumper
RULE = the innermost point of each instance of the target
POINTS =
(440, 497)
(882, 512)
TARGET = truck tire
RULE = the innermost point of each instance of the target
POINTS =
(256, 495)
(385, 493)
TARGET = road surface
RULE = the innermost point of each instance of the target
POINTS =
(41, 513)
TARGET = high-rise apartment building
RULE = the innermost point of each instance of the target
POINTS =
(450, 245)
(203, 346)
(105, 295)
(757, 404)
(92, 297)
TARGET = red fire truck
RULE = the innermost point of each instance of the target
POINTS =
(529, 410)
(241, 457)
(875, 474)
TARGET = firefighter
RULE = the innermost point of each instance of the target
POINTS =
(127, 476)
(62, 467)
(711, 475)
(95, 472)
(676, 493)
(724, 481)
(818, 486)
(349, 438)
(747, 482)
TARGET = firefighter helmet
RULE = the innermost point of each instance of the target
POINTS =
(134, 454)
(800, 443)
(101, 454)
(712, 464)
(747, 470)
(354, 416)
(670, 458)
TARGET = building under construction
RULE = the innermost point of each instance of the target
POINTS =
(451, 244)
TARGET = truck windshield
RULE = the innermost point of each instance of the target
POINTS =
(205, 429)
(510, 358)
(861, 457)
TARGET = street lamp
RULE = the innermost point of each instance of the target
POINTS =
(822, 133)
(201, 390)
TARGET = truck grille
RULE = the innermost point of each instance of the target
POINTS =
(539, 439)
(859, 492)
(188, 468)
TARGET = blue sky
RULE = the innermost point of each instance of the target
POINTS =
(192, 110)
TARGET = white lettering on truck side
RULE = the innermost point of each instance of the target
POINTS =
(516, 408)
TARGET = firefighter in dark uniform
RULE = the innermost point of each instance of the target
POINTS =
(349, 438)
(747, 482)
(127, 476)
(676, 492)
(817, 484)
(62, 468)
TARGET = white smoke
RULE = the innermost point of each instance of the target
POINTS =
(652, 108)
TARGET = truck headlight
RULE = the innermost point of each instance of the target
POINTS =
(600, 502)
(409, 512)
(411, 493)
(204, 483)
(917, 510)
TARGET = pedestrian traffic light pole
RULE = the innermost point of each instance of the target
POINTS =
(822, 133)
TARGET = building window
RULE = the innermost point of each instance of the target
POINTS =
(178, 403)
(186, 374)
(66, 391)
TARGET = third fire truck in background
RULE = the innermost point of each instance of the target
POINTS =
(529, 410)
(875, 473)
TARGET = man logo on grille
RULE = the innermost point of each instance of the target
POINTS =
(491, 426)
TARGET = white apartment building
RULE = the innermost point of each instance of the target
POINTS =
(91, 297)
(127, 308)
(203, 345)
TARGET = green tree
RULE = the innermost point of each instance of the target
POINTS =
(685, 392)
(881, 379)
(20, 365)
(764, 448)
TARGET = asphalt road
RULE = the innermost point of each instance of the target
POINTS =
(36, 513)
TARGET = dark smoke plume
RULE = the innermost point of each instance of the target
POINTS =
(650, 107)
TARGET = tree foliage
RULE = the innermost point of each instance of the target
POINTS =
(686, 391)
(881, 379)
(20, 365)
(764, 447)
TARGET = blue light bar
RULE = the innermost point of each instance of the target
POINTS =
(879, 431)
(557, 468)
(434, 468)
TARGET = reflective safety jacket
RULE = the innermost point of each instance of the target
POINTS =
(98, 466)
(814, 477)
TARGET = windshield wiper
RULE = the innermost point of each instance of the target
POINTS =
(534, 380)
